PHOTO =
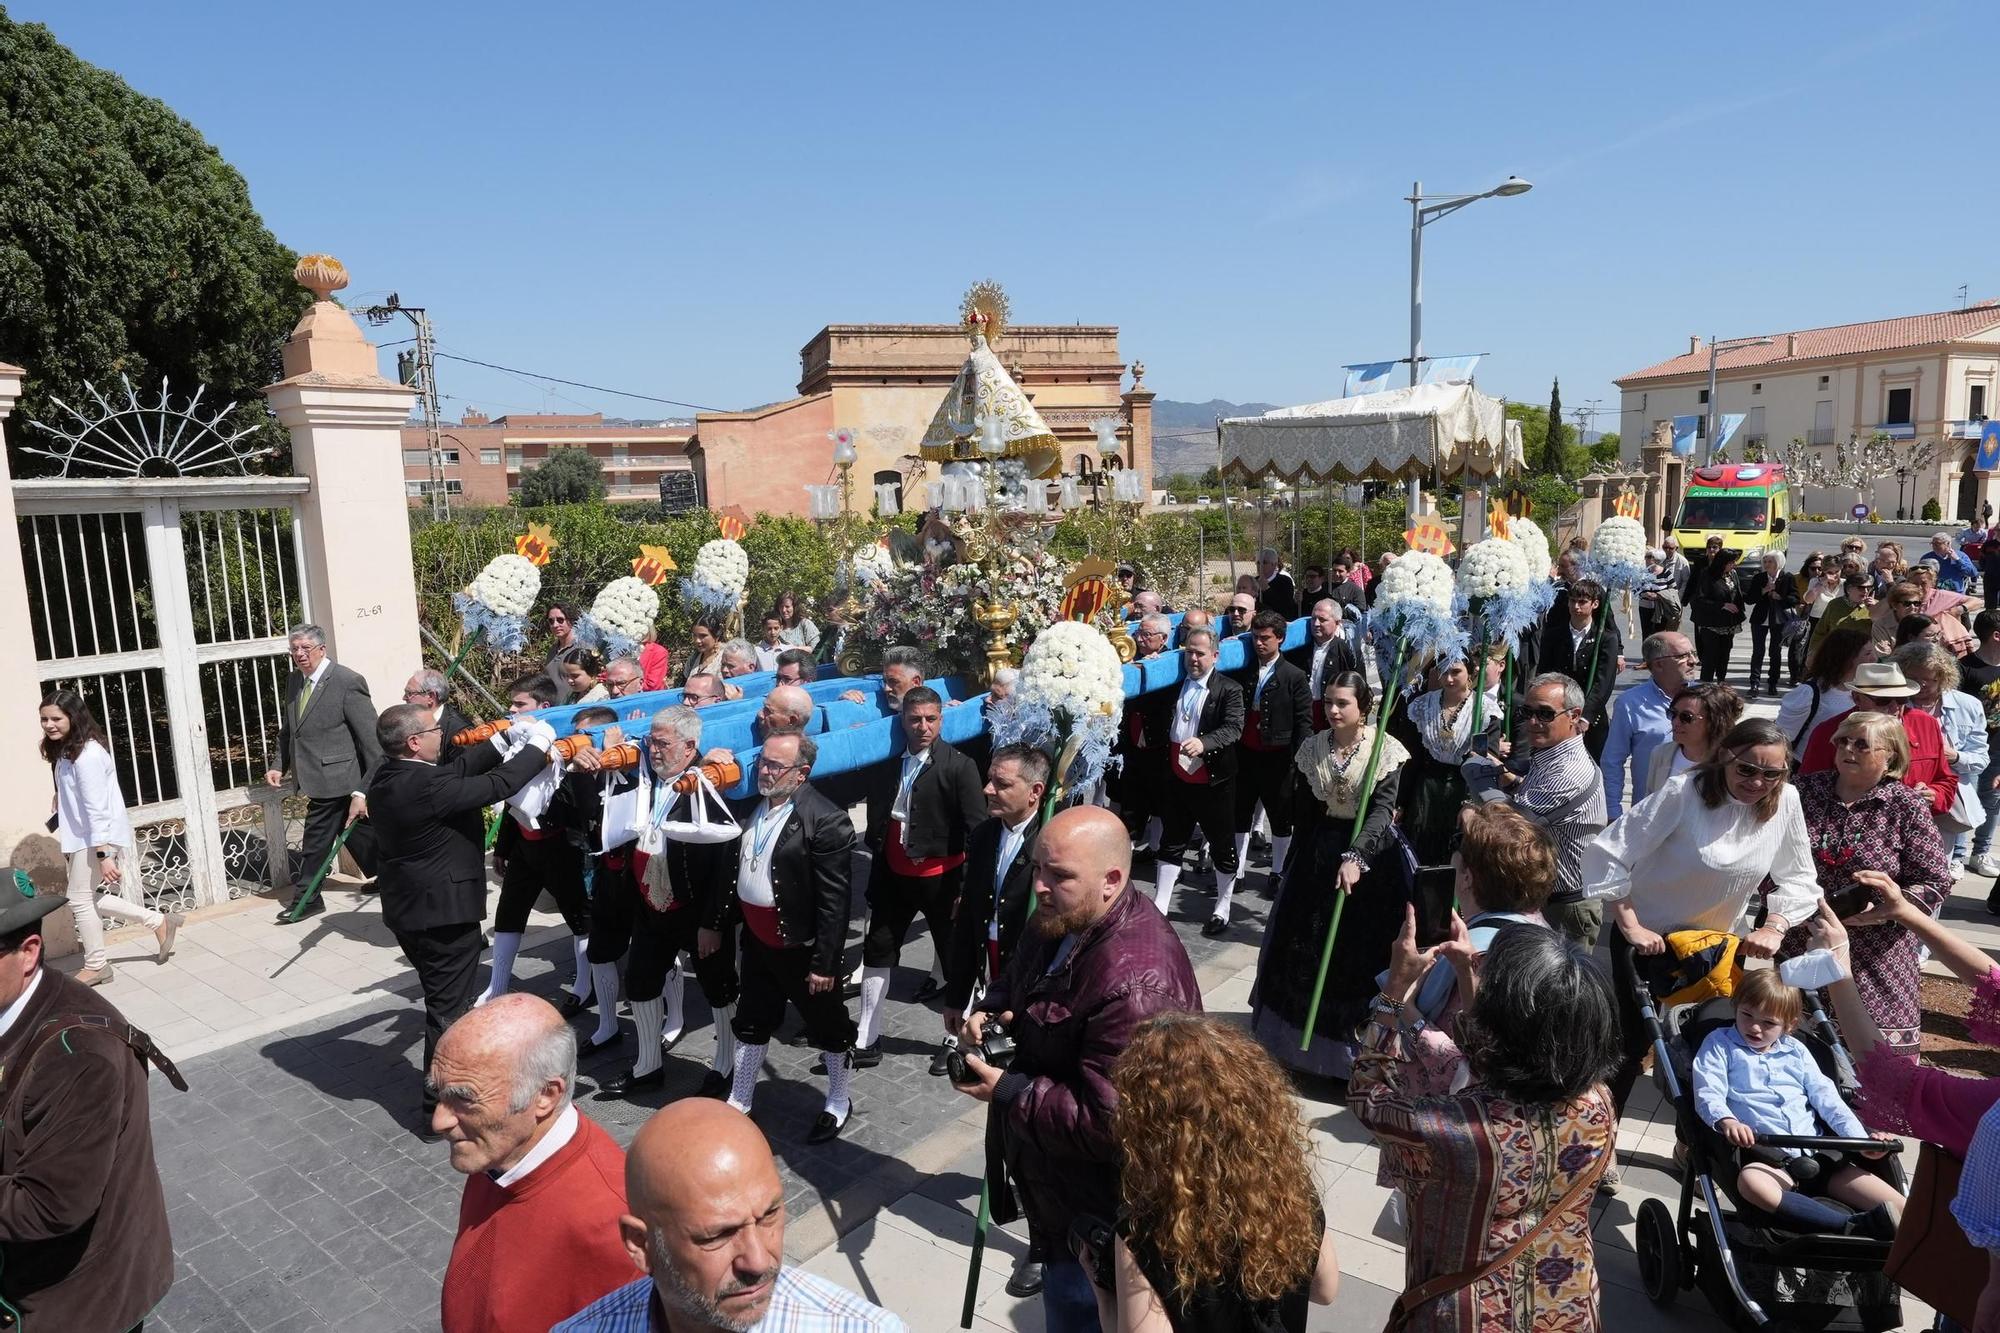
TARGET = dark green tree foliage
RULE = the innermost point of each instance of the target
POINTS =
(1552, 447)
(127, 245)
(571, 476)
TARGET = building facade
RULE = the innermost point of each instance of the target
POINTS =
(1933, 377)
(886, 381)
(484, 457)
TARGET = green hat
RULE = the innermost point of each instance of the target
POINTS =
(21, 905)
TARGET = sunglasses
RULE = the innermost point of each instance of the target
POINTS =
(1542, 714)
(1749, 772)
(1855, 743)
(1682, 715)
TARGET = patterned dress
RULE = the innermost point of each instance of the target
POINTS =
(1479, 1170)
(1921, 1102)
(1890, 830)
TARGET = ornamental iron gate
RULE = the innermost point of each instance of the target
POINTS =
(165, 603)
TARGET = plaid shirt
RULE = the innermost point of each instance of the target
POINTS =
(1556, 777)
(802, 1303)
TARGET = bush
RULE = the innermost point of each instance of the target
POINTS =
(1931, 513)
(570, 476)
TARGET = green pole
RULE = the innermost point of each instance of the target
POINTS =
(1602, 607)
(1506, 693)
(1360, 815)
(305, 895)
(978, 1250)
(498, 813)
(1479, 679)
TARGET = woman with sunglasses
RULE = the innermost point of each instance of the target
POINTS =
(1869, 830)
(1962, 720)
(1699, 716)
(1909, 598)
(1692, 855)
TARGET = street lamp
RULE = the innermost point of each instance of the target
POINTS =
(1714, 349)
(1426, 209)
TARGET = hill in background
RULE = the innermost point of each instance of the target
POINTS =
(1184, 434)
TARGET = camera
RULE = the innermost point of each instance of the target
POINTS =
(995, 1047)
(1091, 1239)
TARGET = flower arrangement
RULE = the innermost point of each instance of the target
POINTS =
(1617, 557)
(1071, 690)
(1415, 603)
(497, 602)
(721, 568)
(1494, 586)
(618, 619)
(1534, 543)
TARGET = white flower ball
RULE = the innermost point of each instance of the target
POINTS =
(1534, 545)
(508, 585)
(1491, 567)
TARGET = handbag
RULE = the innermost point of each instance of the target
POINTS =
(1410, 1301)
(1964, 815)
(1931, 1258)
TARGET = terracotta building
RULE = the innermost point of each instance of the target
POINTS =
(485, 457)
(885, 381)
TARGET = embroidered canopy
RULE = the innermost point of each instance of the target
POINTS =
(1450, 430)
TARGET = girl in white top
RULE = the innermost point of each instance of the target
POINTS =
(1691, 855)
(95, 833)
(1822, 692)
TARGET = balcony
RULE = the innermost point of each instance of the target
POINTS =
(1965, 430)
(1820, 435)
(1896, 430)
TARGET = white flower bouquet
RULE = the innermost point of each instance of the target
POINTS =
(1617, 557)
(1414, 603)
(1494, 586)
(618, 619)
(721, 568)
(497, 603)
(1071, 690)
(1528, 535)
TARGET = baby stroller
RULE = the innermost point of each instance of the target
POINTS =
(1754, 1272)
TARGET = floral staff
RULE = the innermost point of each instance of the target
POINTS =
(1495, 590)
(618, 619)
(1414, 601)
(721, 569)
(496, 604)
(1534, 544)
(1617, 559)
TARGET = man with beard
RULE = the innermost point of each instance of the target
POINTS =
(790, 881)
(707, 1228)
(1097, 960)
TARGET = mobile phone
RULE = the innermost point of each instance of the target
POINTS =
(1435, 894)
(1850, 901)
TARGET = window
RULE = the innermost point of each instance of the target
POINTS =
(490, 457)
(453, 486)
(1758, 387)
(1975, 402)
(514, 458)
(422, 457)
(1898, 413)
(1701, 397)
(415, 487)
(1825, 380)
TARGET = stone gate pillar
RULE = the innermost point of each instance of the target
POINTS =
(346, 423)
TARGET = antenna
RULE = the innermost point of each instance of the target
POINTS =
(1962, 294)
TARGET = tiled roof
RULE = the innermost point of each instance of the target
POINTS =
(1876, 335)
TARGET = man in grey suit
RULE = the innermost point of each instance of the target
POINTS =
(326, 737)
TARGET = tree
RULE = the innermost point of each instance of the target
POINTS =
(127, 245)
(1604, 449)
(1555, 439)
(570, 476)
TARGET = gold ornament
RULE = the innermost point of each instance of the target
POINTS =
(985, 309)
(1128, 651)
(996, 618)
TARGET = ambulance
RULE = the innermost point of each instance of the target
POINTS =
(1748, 505)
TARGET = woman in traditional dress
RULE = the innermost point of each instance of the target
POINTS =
(1331, 861)
(1437, 731)
(1512, 1158)
(705, 658)
(1867, 830)
(1700, 715)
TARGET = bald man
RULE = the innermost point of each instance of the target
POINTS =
(540, 1178)
(1103, 958)
(706, 1226)
(785, 708)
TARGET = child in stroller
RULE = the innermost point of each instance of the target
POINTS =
(1757, 1078)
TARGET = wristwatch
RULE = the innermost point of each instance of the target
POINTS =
(104, 856)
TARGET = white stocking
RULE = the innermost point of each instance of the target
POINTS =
(837, 1071)
(725, 1041)
(1242, 857)
(646, 1019)
(506, 943)
(1166, 875)
(580, 983)
(874, 985)
(743, 1079)
(604, 978)
(1281, 848)
(673, 991)
(1225, 890)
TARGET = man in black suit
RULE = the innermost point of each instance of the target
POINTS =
(1275, 590)
(429, 689)
(326, 736)
(1324, 655)
(920, 810)
(790, 879)
(432, 843)
(1142, 743)
(1276, 721)
(1569, 644)
(1205, 723)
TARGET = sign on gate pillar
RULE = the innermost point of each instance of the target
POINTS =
(346, 422)
(24, 780)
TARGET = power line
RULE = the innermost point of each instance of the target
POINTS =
(578, 384)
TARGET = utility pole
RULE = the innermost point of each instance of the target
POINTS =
(417, 369)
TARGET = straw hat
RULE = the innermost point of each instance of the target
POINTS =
(1881, 680)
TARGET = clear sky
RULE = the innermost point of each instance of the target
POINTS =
(673, 197)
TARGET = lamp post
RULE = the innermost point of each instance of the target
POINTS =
(1426, 209)
(1714, 349)
(844, 456)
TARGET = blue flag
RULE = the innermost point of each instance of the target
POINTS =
(1368, 377)
(1988, 458)
(1450, 369)
(1727, 425)
(1684, 433)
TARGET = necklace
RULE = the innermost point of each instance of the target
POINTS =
(764, 831)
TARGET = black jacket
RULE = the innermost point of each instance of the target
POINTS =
(430, 841)
(1219, 727)
(1284, 711)
(1769, 610)
(1280, 595)
(946, 803)
(1559, 652)
(1709, 607)
(966, 956)
(811, 868)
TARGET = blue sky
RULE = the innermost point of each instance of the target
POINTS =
(672, 198)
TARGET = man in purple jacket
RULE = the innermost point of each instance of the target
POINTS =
(1097, 961)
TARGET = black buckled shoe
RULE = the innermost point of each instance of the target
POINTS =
(826, 1128)
(930, 990)
(1216, 926)
(628, 1083)
(571, 1006)
(861, 1057)
(714, 1084)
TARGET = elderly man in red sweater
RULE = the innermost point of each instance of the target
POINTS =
(544, 1186)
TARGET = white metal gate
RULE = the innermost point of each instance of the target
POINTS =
(165, 602)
